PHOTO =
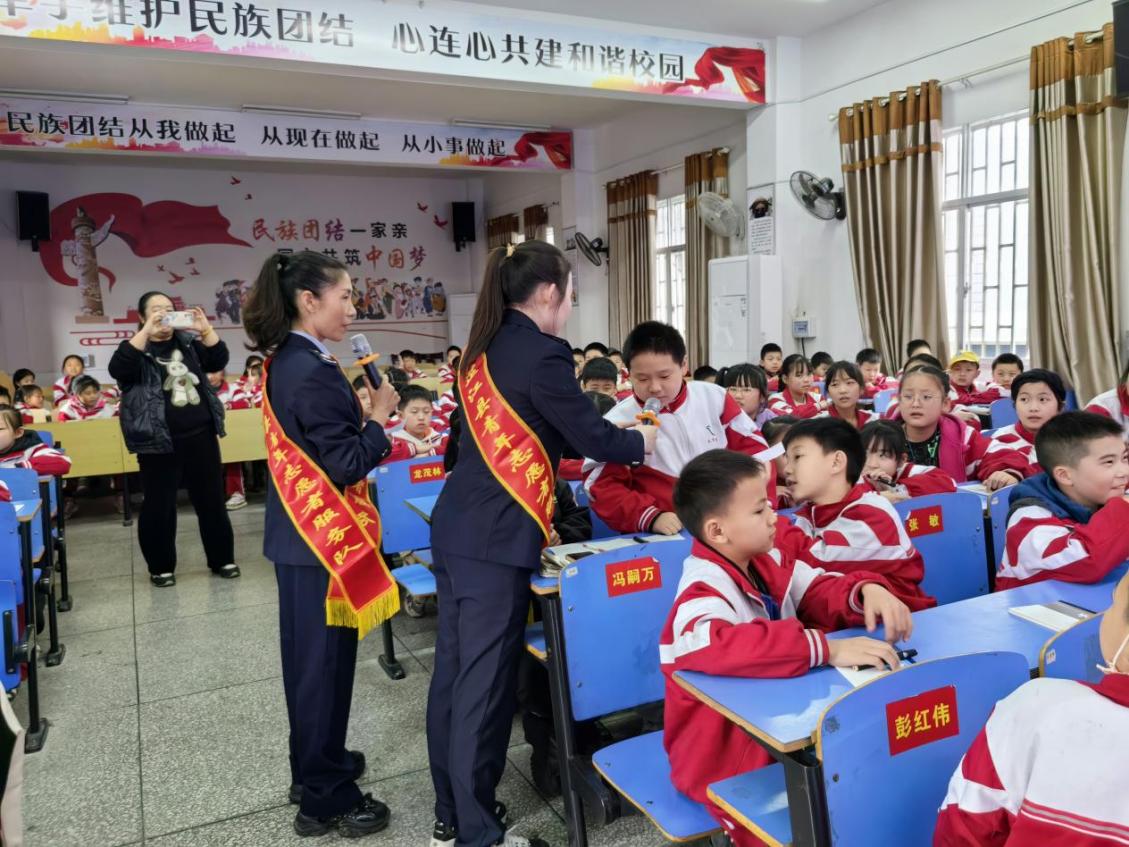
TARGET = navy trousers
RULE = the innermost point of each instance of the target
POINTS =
(470, 708)
(318, 663)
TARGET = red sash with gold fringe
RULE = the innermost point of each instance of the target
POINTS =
(341, 528)
(515, 455)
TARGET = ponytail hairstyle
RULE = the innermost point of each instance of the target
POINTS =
(512, 275)
(271, 306)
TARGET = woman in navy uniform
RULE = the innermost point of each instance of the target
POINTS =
(486, 543)
(298, 303)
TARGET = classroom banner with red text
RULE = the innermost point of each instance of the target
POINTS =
(441, 39)
(171, 130)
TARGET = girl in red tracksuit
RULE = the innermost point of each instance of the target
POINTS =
(795, 396)
(944, 441)
(745, 609)
(21, 448)
(888, 470)
(845, 383)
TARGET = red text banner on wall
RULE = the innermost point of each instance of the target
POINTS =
(447, 39)
(128, 128)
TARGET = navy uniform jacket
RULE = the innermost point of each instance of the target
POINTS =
(318, 409)
(475, 517)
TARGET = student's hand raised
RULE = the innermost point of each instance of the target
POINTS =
(852, 652)
(667, 523)
(878, 604)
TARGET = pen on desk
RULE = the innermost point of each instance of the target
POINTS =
(903, 656)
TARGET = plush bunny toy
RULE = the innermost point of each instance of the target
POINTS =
(180, 383)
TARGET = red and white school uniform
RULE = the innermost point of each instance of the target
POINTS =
(445, 406)
(29, 451)
(571, 470)
(26, 413)
(783, 403)
(1047, 770)
(446, 374)
(861, 532)
(61, 390)
(415, 373)
(862, 416)
(73, 409)
(919, 480)
(703, 417)
(433, 444)
(772, 382)
(1113, 404)
(1039, 545)
(964, 454)
(1016, 437)
(5, 494)
(723, 622)
(253, 392)
(973, 395)
(881, 383)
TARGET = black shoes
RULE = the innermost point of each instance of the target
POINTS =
(367, 817)
(445, 835)
(163, 580)
(228, 572)
(359, 767)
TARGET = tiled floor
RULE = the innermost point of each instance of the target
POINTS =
(168, 725)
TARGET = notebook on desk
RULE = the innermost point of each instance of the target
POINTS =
(1055, 616)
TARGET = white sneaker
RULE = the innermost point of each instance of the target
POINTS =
(512, 840)
(236, 501)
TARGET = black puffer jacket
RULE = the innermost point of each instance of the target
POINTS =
(141, 378)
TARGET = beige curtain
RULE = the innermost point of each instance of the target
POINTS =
(704, 172)
(891, 153)
(502, 230)
(631, 259)
(1077, 135)
(535, 222)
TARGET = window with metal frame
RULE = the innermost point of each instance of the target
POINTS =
(985, 235)
(670, 263)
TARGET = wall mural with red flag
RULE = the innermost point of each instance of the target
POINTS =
(201, 235)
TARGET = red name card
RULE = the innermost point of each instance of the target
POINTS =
(923, 719)
(429, 472)
(925, 521)
(633, 575)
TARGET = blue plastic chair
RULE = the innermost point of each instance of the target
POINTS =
(853, 742)
(11, 594)
(1071, 402)
(611, 651)
(45, 436)
(999, 505)
(883, 399)
(954, 557)
(404, 529)
(1003, 413)
(1074, 653)
(24, 485)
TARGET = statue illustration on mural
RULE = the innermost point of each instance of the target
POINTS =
(82, 251)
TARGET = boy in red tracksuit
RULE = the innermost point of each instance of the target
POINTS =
(849, 526)
(1048, 768)
(964, 368)
(889, 470)
(693, 418)
(746, 609)
(1070, 522)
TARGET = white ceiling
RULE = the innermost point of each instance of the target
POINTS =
(746, 18)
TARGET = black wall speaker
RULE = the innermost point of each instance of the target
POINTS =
(462, 223)
(33, 216)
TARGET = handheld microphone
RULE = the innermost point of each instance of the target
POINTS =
(650, 414)
(366, 359)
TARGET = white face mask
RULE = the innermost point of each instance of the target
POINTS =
(1111, 666)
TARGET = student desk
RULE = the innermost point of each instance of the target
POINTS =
(423, 506)
(782, 714)
(97, 448)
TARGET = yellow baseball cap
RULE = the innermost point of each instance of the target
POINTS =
(965, 356)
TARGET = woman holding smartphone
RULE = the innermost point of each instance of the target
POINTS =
(173, 421)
